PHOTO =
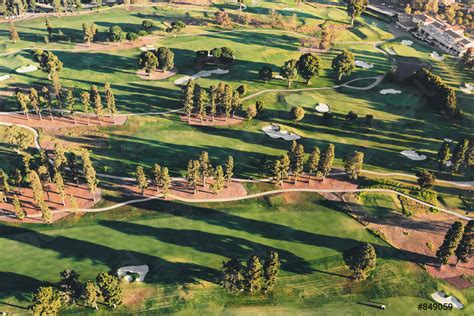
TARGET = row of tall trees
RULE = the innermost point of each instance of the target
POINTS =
(220, 99)
(158, 176)
(200, 170)
(308, 66)
(461, 156)
(439, 94)
(48, 300)
(256, 276)
(457, 242)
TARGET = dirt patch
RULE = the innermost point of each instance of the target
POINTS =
(74, 138)
(419, 236)
(181, 189)
(207, 120)
(61, 121)
(109, 46)
(80, 193)
(157, 75)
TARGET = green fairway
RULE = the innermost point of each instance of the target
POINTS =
(185, 246)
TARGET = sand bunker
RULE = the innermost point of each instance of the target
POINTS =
(390, 91)
(468, 88)
(363, 64)
(448, 163)
(147, 48)
(274, 131)
(127, 273)
(436, 56)
(407, 42)
(25, 69)
(322, 108)
(201, 74)
(291, 9)
(5, 77)
(413, 155)
(440, 297)
(448, 140)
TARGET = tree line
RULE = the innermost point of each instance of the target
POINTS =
(461, 156)
(39, 170)
(70, 290)
(319, 164)
(308, 66)
(217, 100)
(161, 58)
(457, 242)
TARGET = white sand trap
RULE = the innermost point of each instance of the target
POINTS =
(124, 272)
(391, 51)
(291, 9)
(274, 131)
(407, 42)
(468, 88)
(201, 74)
(436, 56)
(413, 155)
(448, 140)
(25, 69)
(363, 64)
(448, 163)
(278, 77)
(390, 91)
(440, 297)
(5, 77)
(322, 108)
(147, 48)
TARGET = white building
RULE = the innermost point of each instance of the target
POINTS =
(449, 38)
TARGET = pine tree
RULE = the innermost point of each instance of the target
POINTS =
(299, 162)
(313, 162)
(205, 167)
(60, 187)
(4, 184)
(18, 179)
(156, 176)
(353, 164)
(444, 154)
(165, 181)
(355, 8)
(142, 182)
(464, 250)
(236, 104)
(426, 179)
(36, 187)
(188, 99)
(23, 101)
(71, 104)
(227, 101)
(459, 154)
(451, 242)
(90, 294)
(96, 99)
(46, 214)
(46, 101)
(46, 301)
(200, 100)
(193, 174)
(253, 275)
(232, 280)
(289, 71)
(90, 30)
(70, 285)
(109, 286)
(229, 170)
(19, 211)
(89, 173)
(327, 158)
(219, 180)
(110, 101)
(86, 103)
(361, 260)
(56, 88)
(60, 159)
(73, 167)
(35, 102)
(271, 268)
(13, 33)
(213, 102)
(281, 168)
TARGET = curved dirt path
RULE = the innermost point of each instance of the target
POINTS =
(251, 196)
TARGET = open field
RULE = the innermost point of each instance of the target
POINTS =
(185, 246)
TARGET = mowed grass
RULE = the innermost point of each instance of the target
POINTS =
(185, 246)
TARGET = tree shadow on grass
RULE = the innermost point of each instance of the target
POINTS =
(161, 271)
(223, 245)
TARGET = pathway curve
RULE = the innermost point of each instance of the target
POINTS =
(251, 196)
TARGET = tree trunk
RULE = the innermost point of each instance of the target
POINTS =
(27, 115)
(352, 20)
(289, 83)
(75, 120)
(93, 196)
(39, 114)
